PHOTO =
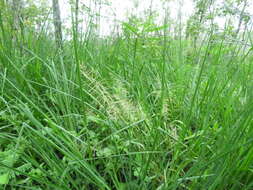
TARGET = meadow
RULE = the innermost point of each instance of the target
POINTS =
(144, 109)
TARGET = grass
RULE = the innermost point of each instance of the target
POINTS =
(126, 113)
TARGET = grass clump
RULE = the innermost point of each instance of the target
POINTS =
(138, 111)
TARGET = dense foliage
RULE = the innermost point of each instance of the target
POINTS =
(155, 106)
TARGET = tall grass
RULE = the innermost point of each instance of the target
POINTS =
(126, 113)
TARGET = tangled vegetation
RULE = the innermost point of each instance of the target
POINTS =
(150, 107)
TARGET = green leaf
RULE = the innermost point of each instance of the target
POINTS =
(155, 29)
(131, 28)
(4, 179)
